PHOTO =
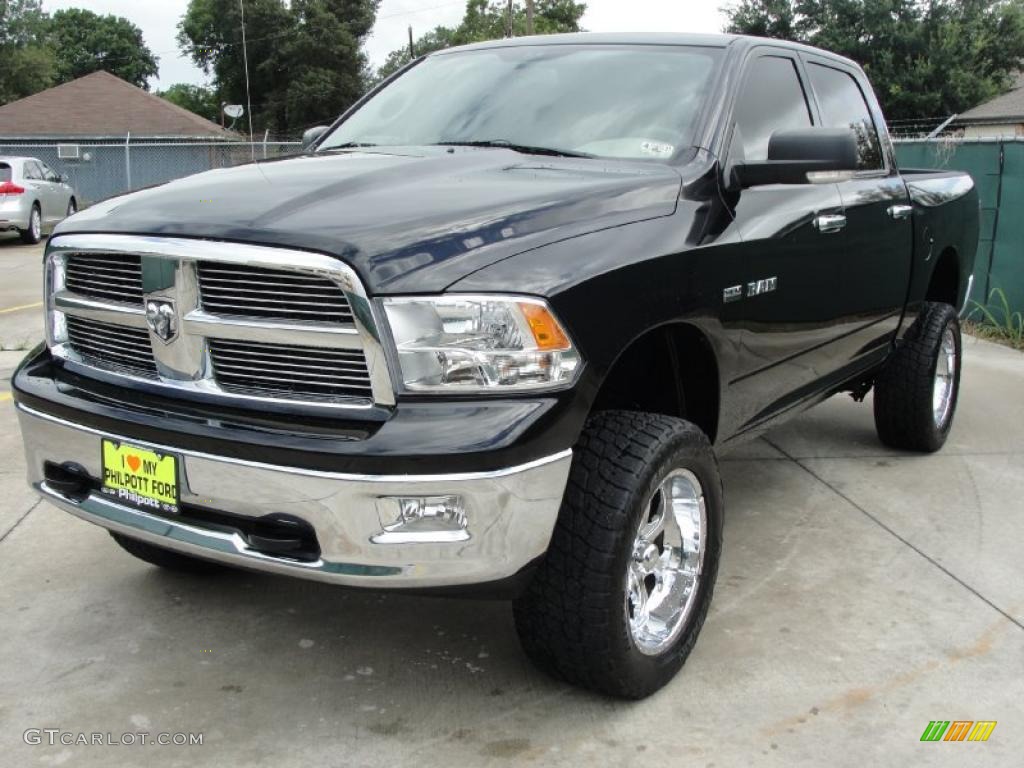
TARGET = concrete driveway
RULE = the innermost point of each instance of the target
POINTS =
(21, 292)
(862, 594)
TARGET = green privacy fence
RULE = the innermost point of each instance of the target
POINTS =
(997, 166)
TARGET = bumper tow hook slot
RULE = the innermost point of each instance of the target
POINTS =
(68, 479)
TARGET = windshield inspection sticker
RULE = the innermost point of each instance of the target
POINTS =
(656, 148)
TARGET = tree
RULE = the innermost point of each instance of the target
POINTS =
(85, 42)
(925, 58)
(26, 63)
(306, 62)
(195, 98)
(488, 20)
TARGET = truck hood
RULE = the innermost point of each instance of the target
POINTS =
(407, 220)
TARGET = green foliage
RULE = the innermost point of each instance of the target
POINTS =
(306, 63)
(195, 98)
(84, 42)
(26, 62)
(488, 20)
(999, 321)
(925, 58)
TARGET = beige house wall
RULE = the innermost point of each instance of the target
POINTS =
(991, 131)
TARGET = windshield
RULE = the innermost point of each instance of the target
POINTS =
(608, 101)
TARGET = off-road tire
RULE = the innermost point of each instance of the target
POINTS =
(904, 416)
(572, 619)
(164, 558)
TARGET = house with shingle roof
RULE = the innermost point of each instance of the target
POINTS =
(102, 106)
(111, 137)
(1001, 116)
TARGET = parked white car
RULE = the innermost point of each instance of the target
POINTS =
(33, 197)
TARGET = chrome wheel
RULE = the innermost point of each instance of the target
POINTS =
(945, 378)
(35, 224)
(666, 563)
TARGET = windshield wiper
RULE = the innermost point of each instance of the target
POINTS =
(350, 145)
(525, 149)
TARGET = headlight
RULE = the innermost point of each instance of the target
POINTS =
(479, 343)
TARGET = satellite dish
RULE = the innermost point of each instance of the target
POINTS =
(234, 111)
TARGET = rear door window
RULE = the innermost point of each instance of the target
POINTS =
(31, 171)
(48, 172)
(843, 106)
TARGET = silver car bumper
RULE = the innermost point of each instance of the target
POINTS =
(14, 211)
(509, 513)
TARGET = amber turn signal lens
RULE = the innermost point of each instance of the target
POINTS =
(546, 331)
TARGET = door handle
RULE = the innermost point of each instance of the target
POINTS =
(827, 223)
(900, 211)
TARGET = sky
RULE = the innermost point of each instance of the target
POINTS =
(158, 20)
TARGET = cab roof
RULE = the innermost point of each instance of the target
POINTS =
(645, 38)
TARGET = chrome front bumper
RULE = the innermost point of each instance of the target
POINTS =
(510, 513)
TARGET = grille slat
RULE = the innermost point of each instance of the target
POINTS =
(288, 373)
(266, 370)
(122, 278)
(240, 290)
(269, 347)
(112, 346)
(255, 292)
(264, 312)
(299, 360)
(107, 276)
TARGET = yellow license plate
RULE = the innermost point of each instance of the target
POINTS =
(140, 477)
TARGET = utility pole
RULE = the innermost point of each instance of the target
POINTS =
(248, 98)
(412, 51)
(510, 32)
(529, 17)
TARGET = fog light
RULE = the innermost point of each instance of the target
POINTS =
(411, 519)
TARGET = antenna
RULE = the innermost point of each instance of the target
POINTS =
(248, 98)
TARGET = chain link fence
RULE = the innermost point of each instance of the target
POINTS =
(953, 128)
(99, 169)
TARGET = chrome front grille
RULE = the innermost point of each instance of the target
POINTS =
(304, 371)
(114, 347)
(212, 319)
(233, 289)
(107, 276)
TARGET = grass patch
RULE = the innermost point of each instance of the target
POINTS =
(997, 322)
(989, 333)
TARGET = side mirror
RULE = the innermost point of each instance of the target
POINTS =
(63, 178)
(312, 134)
(794, 154)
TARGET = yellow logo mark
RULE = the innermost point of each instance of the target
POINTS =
(982, 730)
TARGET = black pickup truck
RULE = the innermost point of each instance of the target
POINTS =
(488, 331)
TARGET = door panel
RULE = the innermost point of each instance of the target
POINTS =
(878, 241)
(33, 182)
(877, 261)
(53, 212)
(792, 241)
(789, 326)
